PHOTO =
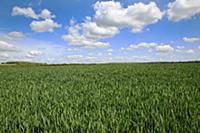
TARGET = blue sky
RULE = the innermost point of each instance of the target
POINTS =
(95, 31)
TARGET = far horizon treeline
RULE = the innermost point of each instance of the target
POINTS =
(36, 63)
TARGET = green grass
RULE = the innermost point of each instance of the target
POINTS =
(100, 98)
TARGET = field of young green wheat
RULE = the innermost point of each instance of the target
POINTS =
(100, 98)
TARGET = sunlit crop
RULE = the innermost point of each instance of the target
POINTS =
(100, 98)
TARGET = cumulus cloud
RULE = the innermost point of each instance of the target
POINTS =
(109, 18)
(72, 49)
(136, 16)
(46, 14)
(78, 36)
(4, 55)
(4, 46)
(47, 25)
(158, 47)
(109, 53)
(183, 9)
(16, 34)
(164, 49)
(185, 51)
(191, 39)
(134, 58)
(34, 53)
(92, 30)
(142, 45)
(180, 47)
(27, 12)
(109, 50)
(80, 58)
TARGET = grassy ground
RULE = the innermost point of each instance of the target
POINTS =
(100, 98)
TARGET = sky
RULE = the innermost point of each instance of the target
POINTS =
(99, 31)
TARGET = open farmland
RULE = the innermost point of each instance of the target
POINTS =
(100, 98)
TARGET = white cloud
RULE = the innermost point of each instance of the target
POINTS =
(183, 9)
(92, 30)
(109, 50)
(158, 47)
(136, 16)
(22, 59)
(140, 58)
(4, 55)
(180, 47)
(191, 39)
(27, 12)
(134, 58)
(185, 51)
(80, 58)
(122, 49)
(47, 25)
(142, 45)
(4, 46)
(34, 53)
(16, 34)
(109, 18)
(77, 36)
(72, 49)
(164, 48)
(110, 53)
(46, 14)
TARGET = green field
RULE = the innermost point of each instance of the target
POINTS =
(100, 98)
